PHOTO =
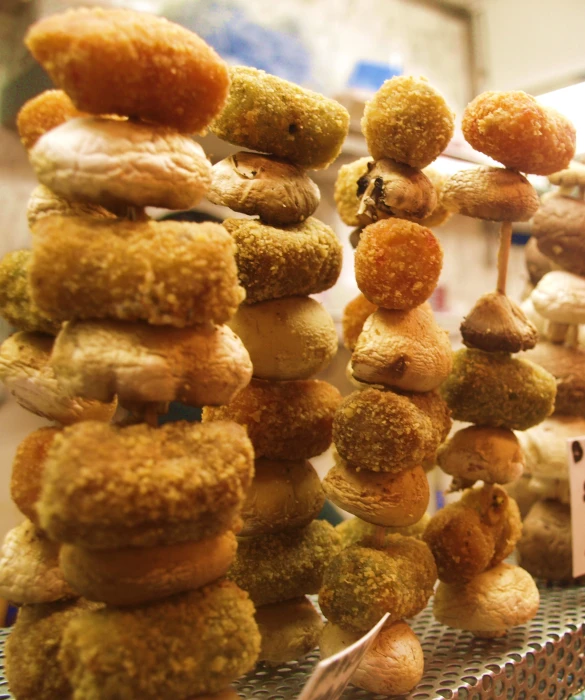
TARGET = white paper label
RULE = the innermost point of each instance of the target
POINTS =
(576, 448)
(331, 676)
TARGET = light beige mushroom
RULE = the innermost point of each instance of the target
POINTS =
(538, 321)
(280, 193)
(573, 176)
(201, 365)
(560, 298)
(393, 665)
(43, 202)
(479, 453)
(25, 370)
(494, 194)
(489, 604)
(537, 264)
(406, 350)
(559, 229)
(114, 162)
(290, 338)
(29, 568)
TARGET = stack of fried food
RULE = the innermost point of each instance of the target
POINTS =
(284, 255)
(489, 387)
(388, 431)
(138, 519)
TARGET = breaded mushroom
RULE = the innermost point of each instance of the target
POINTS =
(43, 113)
(355, 314)
(346, 191)
(356, 531)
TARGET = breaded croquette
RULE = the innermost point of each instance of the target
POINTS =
(294, 261)
(189, 644)
(355, 314)
(346, 188)
(473, 534)
(286, 565)
(107, 487)
(284, 420)
(269, 114)
(43, 113)
(356, 531)
(163, 272)
(362, 583)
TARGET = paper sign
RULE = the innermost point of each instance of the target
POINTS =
(576, 448)
(331, 676)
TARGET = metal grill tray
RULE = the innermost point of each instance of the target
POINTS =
(545, 659)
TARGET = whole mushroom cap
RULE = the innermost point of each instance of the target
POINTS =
(560, 297)
(559, 230)
(537, 263)
(572, 176)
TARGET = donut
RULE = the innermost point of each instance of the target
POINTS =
(116, 61)
(284, 420)
(268, 114)
(96, 268)
(44, 202)
(294, 261)
(102, 484)
(43, 113)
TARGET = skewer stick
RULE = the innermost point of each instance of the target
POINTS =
(504, 255)
(379, 536)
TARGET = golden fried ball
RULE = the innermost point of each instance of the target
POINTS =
(43, 113)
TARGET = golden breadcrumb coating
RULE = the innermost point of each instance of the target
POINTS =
(363, 583)
(357, 531)
(473, 534)
(284, 420)
(189, 644)
(115, 61)
(397, 263)
(498, 390)
(277, 567)
(294, 261)
(354, 316)
(512, 128)
(163, 272)
(16, 304)
(409, 121)
(107, 487)
(346, 187)
(43, 113)
(269, 114)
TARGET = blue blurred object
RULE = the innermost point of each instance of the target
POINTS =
(368, 75)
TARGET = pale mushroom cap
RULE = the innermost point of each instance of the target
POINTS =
(403, 349)
(560, 297)
(492, 602)
(573, 176)
(44, 202)
(393, 665)
(111, 162)
(280, 193)
(545, 446)
(537, 320)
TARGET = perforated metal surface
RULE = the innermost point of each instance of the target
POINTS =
(545, 659)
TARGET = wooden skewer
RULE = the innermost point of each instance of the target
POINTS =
(504, 255)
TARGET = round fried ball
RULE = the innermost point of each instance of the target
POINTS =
(397, 263)
(354, 316)
(43, 113)
(409, 121)
(346, 187)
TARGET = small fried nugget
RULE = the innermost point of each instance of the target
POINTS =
(32, 669)
(294, 261)
(363, 583)
(189, 644)
(473, 534)
(116, 61)
(107, 487)
(409, 121)
(498, 390)
(345, 192)
(514, 129)
(44, 202)
(16, 304)
(43, 113)
(284, 420)
(357, 531)
(163, 272)
(397, 263)
(269, 114)
(354, 316)
(286, 565)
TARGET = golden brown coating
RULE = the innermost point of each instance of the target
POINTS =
(16, 304)
(356, 531)
(163, 272)
(363, 583)
(409, 121)
(32, 669)
(294, 261)
(345, 191)
(558, 228)
(189, 644)
(266, 113)
(107, 487)
(512, 128)
(114, 61)
(137, 575)
(473, 534)
(284, 420)
(397, 263)
(43, 202)
(28, 468)
(354, 316)
(43, 113)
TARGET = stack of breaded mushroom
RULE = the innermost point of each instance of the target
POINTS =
(141, 518)
(489, 387)
(388, 431)
(284, 255)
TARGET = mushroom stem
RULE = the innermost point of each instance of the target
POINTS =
(572, 336)
(379, 536)
(557, 332)
(503, 255)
